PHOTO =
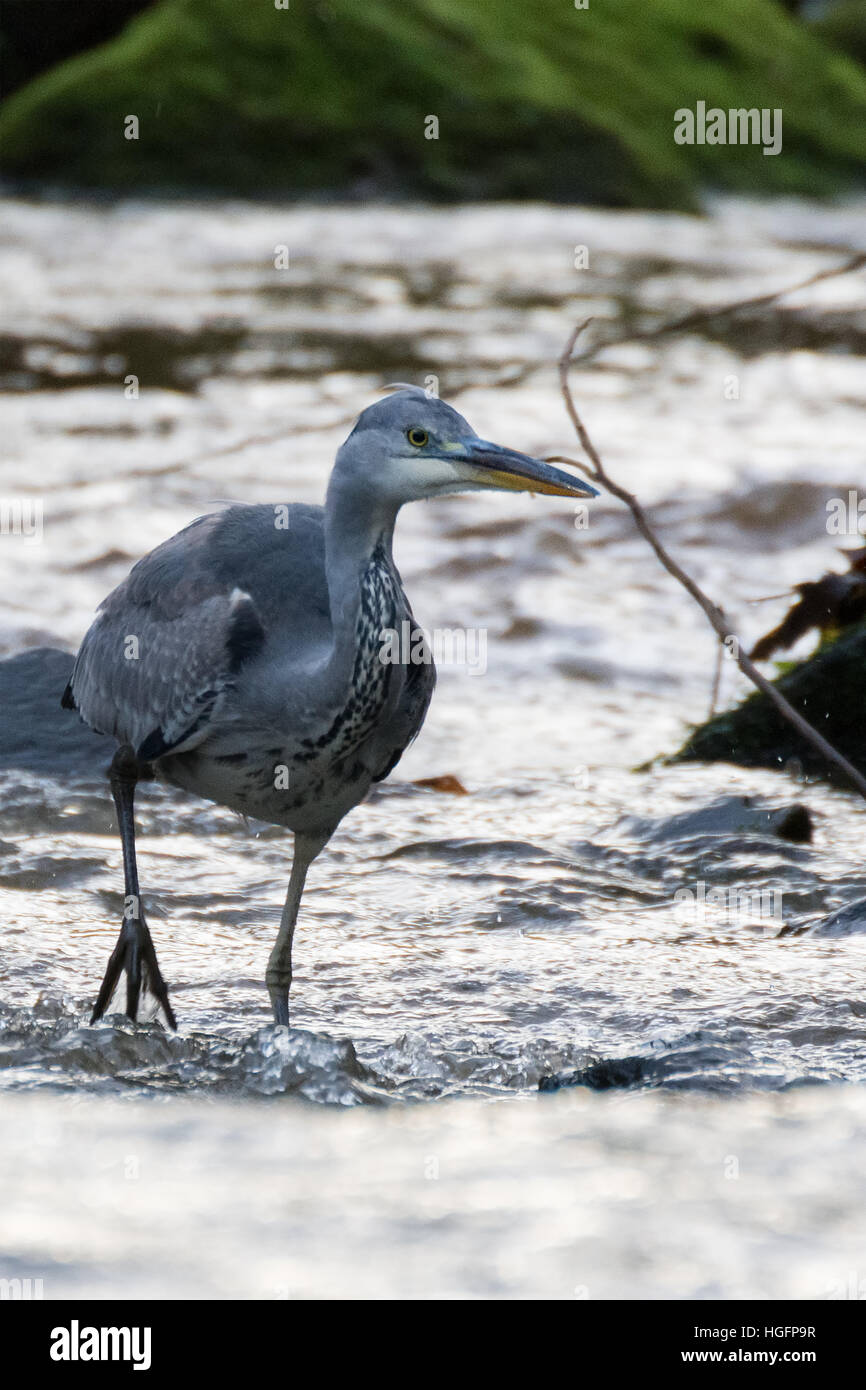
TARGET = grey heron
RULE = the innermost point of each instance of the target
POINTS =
(242, 659)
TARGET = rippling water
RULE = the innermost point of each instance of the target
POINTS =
(528, 933)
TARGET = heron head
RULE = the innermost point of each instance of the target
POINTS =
(411, 445)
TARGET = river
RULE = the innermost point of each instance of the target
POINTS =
(454, 951)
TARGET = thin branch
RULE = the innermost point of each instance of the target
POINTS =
(714, 614)
(717, 679)
(696, 316)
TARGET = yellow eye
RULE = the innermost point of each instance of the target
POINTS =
(417, 437)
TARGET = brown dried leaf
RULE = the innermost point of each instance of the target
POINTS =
(448, 783)
(832, 602)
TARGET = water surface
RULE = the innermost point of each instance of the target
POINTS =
(450, 947)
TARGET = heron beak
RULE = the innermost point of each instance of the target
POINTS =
(495, 467)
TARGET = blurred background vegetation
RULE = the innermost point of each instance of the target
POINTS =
(534, 100)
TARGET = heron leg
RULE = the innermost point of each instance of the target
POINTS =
(134, 952)
(278, 976)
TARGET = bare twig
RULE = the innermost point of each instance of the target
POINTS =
(717, 679)
(696, 316)
(715, 615)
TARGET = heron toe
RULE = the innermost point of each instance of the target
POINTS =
(134, 956)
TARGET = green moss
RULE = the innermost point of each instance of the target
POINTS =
(844, 26)
(828, 689)
(533, 99)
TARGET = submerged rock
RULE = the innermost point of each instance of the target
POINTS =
(35, 733)
(703, 1061)
(729, 815)
(849, 920)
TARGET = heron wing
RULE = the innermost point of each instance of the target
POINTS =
(165, 646)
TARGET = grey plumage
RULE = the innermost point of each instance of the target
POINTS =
(186, 663)
(242, 658)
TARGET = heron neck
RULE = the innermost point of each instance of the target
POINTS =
(357, 524)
